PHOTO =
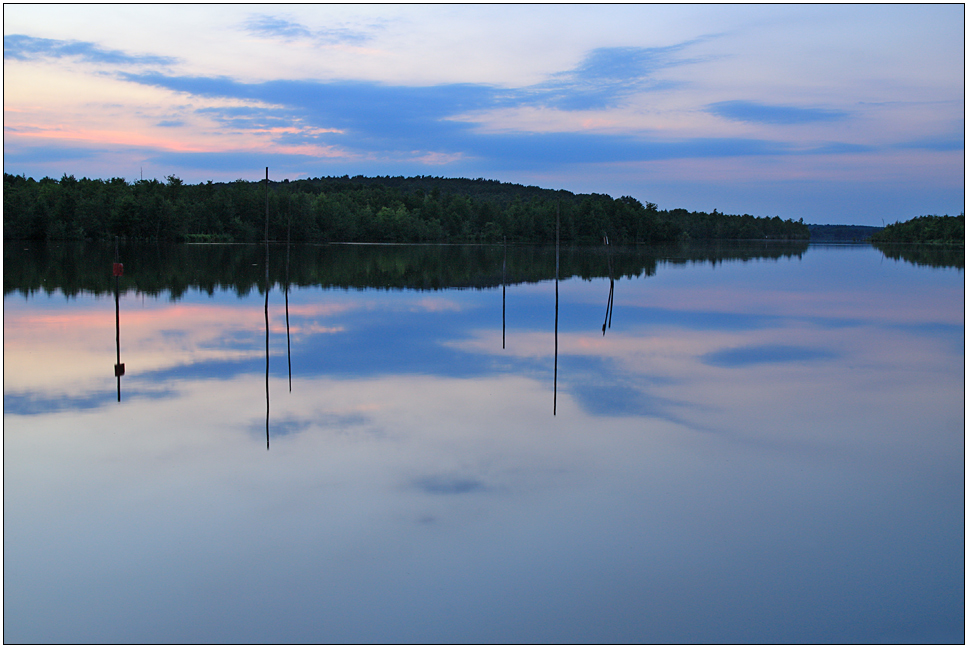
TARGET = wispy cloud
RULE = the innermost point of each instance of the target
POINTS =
(751, 111)
(955, 142)
(47, 153)
(371, 120)
(26, 48)
(410, 121)
(606, 76)
(248, 117)
(29, 403)
(766, 354)
(375, 117)
(446, 485)
(274, 27)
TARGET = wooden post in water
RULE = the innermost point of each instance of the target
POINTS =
(504, 289)
(118, 367)
(267, 308)
(118, 270)
(288, 235)
(557, 236)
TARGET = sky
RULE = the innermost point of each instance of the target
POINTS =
(830, 113)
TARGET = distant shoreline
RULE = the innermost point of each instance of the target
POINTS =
(361, 209)
(385, 209)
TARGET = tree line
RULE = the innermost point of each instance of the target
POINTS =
(359, 209)
(842, 233)
(153, 268)
(927, 230)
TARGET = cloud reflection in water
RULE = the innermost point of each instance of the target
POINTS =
(419, 489)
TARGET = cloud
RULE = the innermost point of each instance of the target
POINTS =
(439, 485)
(31, 403)
(315, 127)
(248, 118)
(605, 77)
(290, 425)
(750, 111)
(622, 63)
(41, 154)
(402, 113)
(838, 148)
(620, 400)
(766, 354)
(408, 122)
(951, 143)
(387, 123)
(237, 164)
(601, 387)
(26, 48)
(552, 149)
(275, 27)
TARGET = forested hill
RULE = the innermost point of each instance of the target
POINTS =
(358, 209)
(842, 233)
(928, 230)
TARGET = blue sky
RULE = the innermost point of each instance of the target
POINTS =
(847, 114)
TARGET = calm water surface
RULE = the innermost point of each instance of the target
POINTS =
(762, 446)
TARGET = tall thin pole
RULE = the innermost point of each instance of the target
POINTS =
(557, 236)
(288, 348)
(118, 367)
(504, 290)
(117, 333)
(267, 308)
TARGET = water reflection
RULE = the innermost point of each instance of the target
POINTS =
(288, 346)
(764, 449)
(933, 256)
(117, 270)
(557, 232)
(173, 270)
(267, 289)
(611, 290)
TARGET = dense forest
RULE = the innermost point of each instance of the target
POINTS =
(925, 230)
(358, 209)
(152, 268)
(842, 233)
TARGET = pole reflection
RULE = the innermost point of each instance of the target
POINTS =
(118, 271)
(611, 289)
(557, 236)
(288, 237)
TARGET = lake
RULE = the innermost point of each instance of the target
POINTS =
(424, 444)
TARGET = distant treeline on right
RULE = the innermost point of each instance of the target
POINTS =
(926, 230)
